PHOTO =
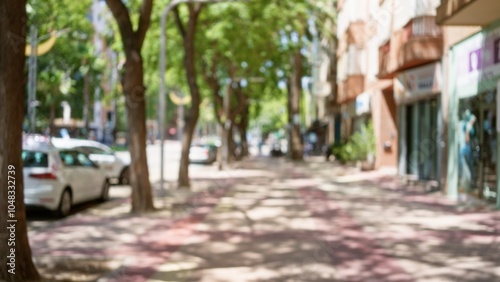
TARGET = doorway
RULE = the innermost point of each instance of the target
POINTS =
(421, 139)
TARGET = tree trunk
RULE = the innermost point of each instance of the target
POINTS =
(14, 242)
(217, 100)
(242, 130)
(244, 143)
(187, 137)
(133, 85)
(231, 145)
(220, 150)
(294, 93)
(188, 33)
(242, 124)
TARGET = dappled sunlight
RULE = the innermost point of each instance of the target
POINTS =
(425, 234)
(271, 258)
(260, 213)
(285, 228)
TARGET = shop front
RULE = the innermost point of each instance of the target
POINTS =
(416, 93)
(474, 116)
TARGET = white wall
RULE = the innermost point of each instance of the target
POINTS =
(372, 59)
(405, 10)
(352, 11)
(383, 20)
(352, 62)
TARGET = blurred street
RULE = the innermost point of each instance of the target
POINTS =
(122, 193)
(313, 221)
(234, 140)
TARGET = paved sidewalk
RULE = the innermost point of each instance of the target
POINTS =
(301, 225)
(271, 220)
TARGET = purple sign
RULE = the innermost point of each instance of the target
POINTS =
(475, 60)
(497, 50)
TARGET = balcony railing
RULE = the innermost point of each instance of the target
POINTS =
(419, 42)
(422, 43)
(384, 69)
(359, 33)
(423, 26)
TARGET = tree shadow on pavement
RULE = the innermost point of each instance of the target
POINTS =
(272, 220)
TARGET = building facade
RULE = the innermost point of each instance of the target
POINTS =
(473, 82)
(410, 55)
(361, 95)
(427, 73)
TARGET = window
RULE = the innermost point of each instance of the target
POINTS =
(94, 150)
(75, 158)
(35, 159)
(84, 160)
(69, 158)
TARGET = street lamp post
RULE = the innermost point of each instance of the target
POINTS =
(32, 78)
(34, 51)
(163, 66)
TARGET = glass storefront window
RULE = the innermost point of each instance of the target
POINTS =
(421, 135)
(477, 145)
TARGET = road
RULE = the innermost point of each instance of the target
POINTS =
(172, 154)
(38, 218)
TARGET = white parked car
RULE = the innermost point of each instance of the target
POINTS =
(202, 153)
(116, 167)
(57, 179)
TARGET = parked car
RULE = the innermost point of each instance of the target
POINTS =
(202, 153)
(57, 179)
(117, 168)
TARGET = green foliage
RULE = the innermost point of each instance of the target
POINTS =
(272, 115)
(255, 39)
(358, 147)
(251, 38)
(151, 56)
(61, 71)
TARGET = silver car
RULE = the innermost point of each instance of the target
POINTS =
(202, 153)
